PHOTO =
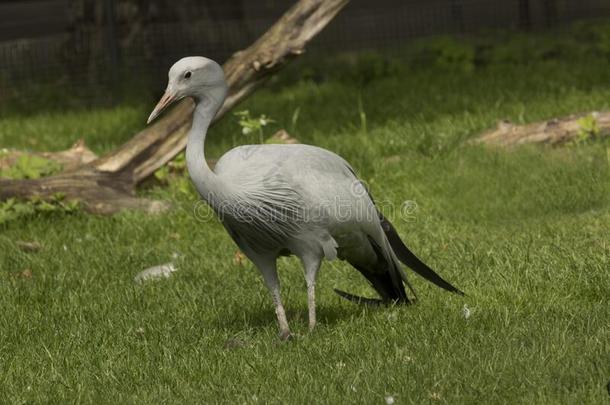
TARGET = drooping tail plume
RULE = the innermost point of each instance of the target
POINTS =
(409, 259)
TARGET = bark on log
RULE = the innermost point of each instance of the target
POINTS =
(107, 184)
(556, 131)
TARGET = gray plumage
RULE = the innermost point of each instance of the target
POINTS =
(290, 200)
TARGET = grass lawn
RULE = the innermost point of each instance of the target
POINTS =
(526, 234)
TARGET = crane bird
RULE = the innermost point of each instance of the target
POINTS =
(296, 199)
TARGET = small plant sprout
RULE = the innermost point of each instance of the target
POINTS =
(250, 125)
(588, 128)
(295, 119)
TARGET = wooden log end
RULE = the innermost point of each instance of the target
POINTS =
(121, 203)
(554, 132)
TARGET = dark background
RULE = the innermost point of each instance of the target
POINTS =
(88, 46)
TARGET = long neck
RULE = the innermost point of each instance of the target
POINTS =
(205, 180)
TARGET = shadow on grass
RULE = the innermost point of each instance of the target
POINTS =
(263, 317)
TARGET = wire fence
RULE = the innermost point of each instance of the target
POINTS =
(86, 49)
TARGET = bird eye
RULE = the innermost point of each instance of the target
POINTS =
(187, 75)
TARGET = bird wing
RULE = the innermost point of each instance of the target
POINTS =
(264, 210)
(296, 197)
(310, 183)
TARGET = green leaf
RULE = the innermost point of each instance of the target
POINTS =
(46, 207)
(588, 128)
(251, 125)
(162, 174)
(30, 167)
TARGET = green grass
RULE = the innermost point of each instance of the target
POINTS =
(525, 233)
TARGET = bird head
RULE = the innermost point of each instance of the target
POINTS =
(193, 76)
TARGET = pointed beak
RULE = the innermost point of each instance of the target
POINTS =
(167, 99)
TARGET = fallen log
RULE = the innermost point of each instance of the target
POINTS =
(556, 131)
(107, 184)
(69, 159)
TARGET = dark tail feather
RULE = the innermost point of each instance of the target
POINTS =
(369, 301)
(408, 258)
(360, 300)
(385, 278)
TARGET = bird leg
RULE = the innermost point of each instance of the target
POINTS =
(269, 271)
(311, 267)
